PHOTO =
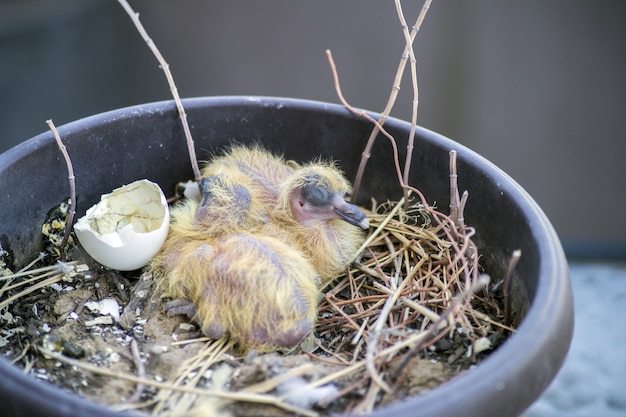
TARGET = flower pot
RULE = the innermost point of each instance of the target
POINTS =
(146, 141)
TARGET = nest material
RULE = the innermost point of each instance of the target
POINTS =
(414, 294)
(412, 312)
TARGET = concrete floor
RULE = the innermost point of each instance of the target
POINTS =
(593, 379)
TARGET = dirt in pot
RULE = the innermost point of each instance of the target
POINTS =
(411, 313)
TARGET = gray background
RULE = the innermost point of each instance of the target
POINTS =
(536, 87)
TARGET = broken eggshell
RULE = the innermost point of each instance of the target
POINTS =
(127, 227)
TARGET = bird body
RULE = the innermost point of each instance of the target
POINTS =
(253, 167)
(250, 255)
(239, 283)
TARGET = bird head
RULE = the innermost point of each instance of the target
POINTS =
(316, 194)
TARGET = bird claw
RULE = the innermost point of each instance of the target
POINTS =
(180, 307)
(212, 330)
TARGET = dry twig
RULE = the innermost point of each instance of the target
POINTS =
(170, 80)
(141, 371)
(226, 395)
(508, 283)
(71, 178)
(392, 97)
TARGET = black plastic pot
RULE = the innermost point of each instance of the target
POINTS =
(146, 141)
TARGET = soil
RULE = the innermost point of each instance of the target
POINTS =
(63, 318)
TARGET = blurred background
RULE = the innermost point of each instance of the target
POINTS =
(538, 88)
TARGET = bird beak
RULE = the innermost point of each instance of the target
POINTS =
(350, 213)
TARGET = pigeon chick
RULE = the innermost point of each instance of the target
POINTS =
(248, 258)
(256, 288)
(312, 211)
(306, 202)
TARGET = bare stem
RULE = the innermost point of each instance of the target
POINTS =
(363, 114)
(227, 395)
(392, 98)
(508, 282)
(71, 178)
(457, 203)
(141, 371)
(170, 79)
(409, 47)
(455, 200)
(462, 203)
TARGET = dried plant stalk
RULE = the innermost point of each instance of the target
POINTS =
(508, 283)
(226, 395)
(400, 296)
(39, 278)
(392, 96)
(170, 80)
(72, 180)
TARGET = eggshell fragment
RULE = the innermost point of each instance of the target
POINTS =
(107, 306)
(127, 227)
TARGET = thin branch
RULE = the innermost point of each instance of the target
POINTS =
(363, 114)
(455, 199)
(71, 178)
(409, 43)
(170, 80)
(141, 371)
(391, 101)
(462, 203)
(227, 395)
(372, 345)
(508, 283)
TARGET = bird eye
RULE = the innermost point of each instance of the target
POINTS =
(316, 194)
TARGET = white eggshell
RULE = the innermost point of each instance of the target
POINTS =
(127, 227)
(191, 190)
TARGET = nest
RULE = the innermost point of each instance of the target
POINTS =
(412, 311)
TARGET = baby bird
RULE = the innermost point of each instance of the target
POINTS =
(254, 287)
(311, 210)
(248, 259)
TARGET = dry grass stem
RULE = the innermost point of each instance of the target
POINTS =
(190, 375)
(225, 395)
(72, 180)
(141, 370)
(52, 274)
(508, 284)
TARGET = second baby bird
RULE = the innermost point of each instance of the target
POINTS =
(247, 259)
